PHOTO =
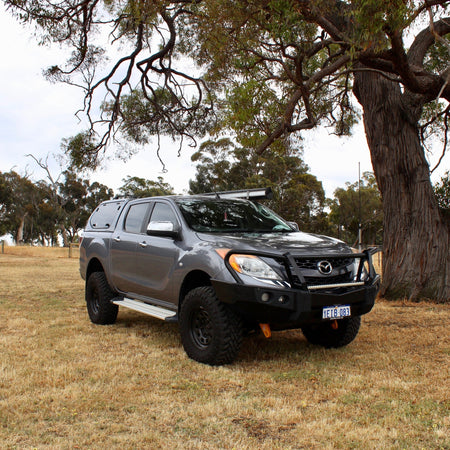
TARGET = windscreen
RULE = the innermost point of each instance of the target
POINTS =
(230, 216)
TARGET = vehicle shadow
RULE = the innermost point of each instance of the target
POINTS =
(255, 347)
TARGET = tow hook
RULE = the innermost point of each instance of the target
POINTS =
(335, 325)
(265, 328)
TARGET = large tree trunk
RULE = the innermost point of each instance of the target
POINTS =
(416, 259)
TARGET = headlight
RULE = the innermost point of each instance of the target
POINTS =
(252, 266)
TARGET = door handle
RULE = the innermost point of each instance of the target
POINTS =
(117, 238)
(143, 244)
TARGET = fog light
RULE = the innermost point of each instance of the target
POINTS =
(282, 299)
(265, 297)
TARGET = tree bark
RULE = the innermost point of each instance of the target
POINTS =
(416, 252)
(64, 235)
(19, 233)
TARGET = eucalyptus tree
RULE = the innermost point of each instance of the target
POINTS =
(285, 66)
(19, 201)
(358, 203)
(298, 195)
(141, 187)
(77, 198)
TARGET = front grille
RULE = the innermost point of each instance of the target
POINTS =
(311, 263)
(309, 270)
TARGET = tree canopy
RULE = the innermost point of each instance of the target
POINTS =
(358, 203)
(39, 212)
(282, 65)
(140, 187)
(298, 195)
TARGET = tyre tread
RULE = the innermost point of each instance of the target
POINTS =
(227, 323)
(106, 313)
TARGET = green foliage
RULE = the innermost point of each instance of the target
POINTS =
(249, 110)
(373, 19)
(442, 192)
(39, 212)
(75, 200)
(298, 195)
(143, 117)
(82, 150)
(19, 201)
(358, 202)
(140, 187)
(262, 67)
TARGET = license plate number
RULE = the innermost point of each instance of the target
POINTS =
(336, 312)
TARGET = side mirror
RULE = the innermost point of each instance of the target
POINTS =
(294, 226)
(163, 229)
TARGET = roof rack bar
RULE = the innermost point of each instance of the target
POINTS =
(251, 194)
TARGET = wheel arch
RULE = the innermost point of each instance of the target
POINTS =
(194, 279)
(94, 266)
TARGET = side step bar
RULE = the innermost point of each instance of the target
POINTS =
(150, 310)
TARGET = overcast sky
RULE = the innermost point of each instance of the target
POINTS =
(35, 115)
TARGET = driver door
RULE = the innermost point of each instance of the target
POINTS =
(157, 256)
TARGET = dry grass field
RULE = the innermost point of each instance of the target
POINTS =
(68, 384)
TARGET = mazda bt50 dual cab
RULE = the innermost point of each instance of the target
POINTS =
(221, 265)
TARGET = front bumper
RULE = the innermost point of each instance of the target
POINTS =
(287, 308)
(284, 308)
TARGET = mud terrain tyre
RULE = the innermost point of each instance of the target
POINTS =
(211, 332)
(98, 300)
(325, 335)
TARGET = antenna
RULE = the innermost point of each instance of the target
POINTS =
(359, 212)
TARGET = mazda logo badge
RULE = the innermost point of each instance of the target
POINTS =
(324, 267)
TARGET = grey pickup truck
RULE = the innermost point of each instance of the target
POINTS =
(222, 265)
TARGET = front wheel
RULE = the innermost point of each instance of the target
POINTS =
(98, 300)
(211, 332)
(333, 334)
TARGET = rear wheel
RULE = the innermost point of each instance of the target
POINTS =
(98, 300)
(333, 334)
(211, 332)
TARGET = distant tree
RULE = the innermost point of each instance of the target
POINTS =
(298, 195)
(358, 201)
(45, 221)
(140, 187)
(214, 162)
(442, 192)
(68, 202)
(42, 211)
(5, 201)
(97, 193)
(19, 203)
(78, 198)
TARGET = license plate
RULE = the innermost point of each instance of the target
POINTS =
(336, 312)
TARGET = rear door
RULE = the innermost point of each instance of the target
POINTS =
(125, 240)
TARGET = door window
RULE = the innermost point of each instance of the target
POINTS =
(163, 213)
(135, 217)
